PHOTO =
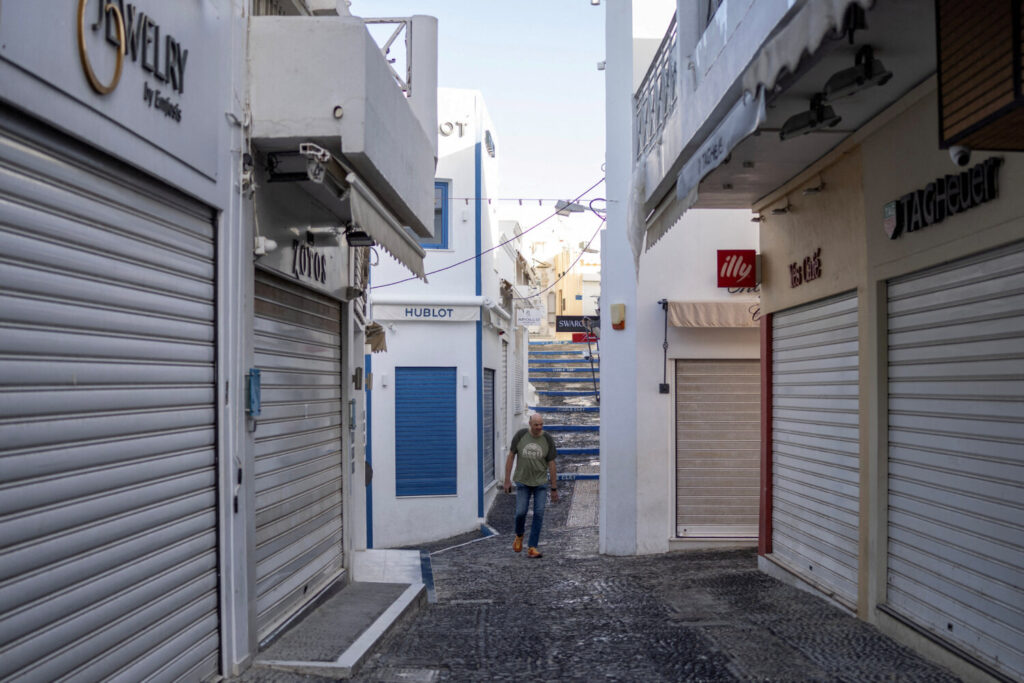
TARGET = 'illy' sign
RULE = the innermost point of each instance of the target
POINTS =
(943, 197)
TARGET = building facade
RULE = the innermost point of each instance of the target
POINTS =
(448, 394)
(181, 319)
(891, 246)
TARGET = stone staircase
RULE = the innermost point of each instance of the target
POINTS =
(566, 376)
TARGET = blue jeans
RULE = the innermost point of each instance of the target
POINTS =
(540, 499)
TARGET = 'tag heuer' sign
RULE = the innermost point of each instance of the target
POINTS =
(737, 268)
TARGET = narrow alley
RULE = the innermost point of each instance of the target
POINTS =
(576, 615)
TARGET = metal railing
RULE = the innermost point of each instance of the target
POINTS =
(658, 93)
(402, 27)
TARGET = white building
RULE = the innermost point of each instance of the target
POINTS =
(175, 191)
(679, 384)
(448, 393)
(878, 144)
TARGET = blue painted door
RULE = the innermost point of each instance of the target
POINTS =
(425, 431)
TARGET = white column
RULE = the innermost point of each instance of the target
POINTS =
(618, 491)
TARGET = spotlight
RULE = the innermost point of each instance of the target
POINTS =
(865, 72)
(820, 115)
(358, 238)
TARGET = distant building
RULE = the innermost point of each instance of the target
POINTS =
(448, 393)
(878, 145)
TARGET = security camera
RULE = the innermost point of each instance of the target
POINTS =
(961, 156)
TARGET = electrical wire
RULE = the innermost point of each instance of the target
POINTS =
(498, 246)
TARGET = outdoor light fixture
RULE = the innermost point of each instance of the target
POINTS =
(564, 208)
(819, 116)
(865, 72)
(358, 238)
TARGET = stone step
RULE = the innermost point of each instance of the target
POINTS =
(555, 361)
(577, 380)
(586, 369)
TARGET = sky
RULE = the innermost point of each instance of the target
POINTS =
(535, 61)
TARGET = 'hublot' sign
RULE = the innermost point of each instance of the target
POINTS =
(943, 197)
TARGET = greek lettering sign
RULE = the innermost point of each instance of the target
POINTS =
(576, 323)
(529, 317)
(941, 198)
(426, 313)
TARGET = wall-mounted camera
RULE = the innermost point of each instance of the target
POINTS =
(961, 156)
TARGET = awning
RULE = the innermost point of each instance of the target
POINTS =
(801, 33)
(376, 337)
(370, 215)
(367, 212)
(713, 313)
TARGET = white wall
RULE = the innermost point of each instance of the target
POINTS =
(681, 267)
(417, 519)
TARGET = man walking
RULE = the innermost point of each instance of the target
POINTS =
(533, 451)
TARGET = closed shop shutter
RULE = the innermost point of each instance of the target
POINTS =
(425, 431)
(108, 496)
(488, 426)
(956, 454)
(815, 443)
(298, 448)
(718, 448)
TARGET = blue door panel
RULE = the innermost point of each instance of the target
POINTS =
(425, 431)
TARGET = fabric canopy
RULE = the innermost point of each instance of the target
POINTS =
(713, 313)
(369, 215)
(375, 337)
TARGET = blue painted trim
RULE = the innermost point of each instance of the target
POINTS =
(579, 451)
(440, 241)
(427, 574)
(368, 363)
(533, 369)
(478, 211)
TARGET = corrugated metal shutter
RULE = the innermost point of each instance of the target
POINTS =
(425, 431)
(108, 500)
(298, 448)
(815, 443)
(503, 412)
(718, 447)
(956, 454)
(488, 426)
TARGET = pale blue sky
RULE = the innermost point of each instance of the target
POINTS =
(536, 63)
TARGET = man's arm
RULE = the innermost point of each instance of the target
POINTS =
(508, 470)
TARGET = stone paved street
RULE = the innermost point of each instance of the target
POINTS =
(578, 616)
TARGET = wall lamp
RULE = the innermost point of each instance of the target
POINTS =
(865, 73)
(358, 238)
(819, 116)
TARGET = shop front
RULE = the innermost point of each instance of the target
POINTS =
(110, 208)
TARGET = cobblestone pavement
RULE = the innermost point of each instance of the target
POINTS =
(575, 615)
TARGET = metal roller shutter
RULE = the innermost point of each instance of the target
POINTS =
(521, 350)
(718, 447)
(956, 454)
(488, 426)
(425, 432)
(815, 443)
(108, 500)
(298, 448)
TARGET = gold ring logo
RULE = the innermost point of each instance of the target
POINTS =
(84, 53)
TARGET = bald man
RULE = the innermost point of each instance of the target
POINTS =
(533, 452)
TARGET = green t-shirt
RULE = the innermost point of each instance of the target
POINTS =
(533, 453)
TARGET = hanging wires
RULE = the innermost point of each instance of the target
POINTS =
(511, 239)
(571, 265)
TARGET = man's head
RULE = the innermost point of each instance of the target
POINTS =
(536, 424)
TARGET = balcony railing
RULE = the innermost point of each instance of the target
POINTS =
(658, 93)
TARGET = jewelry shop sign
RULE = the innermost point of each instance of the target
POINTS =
(150, 67)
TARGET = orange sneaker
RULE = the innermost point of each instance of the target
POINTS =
(534, 553)
(517, 545)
